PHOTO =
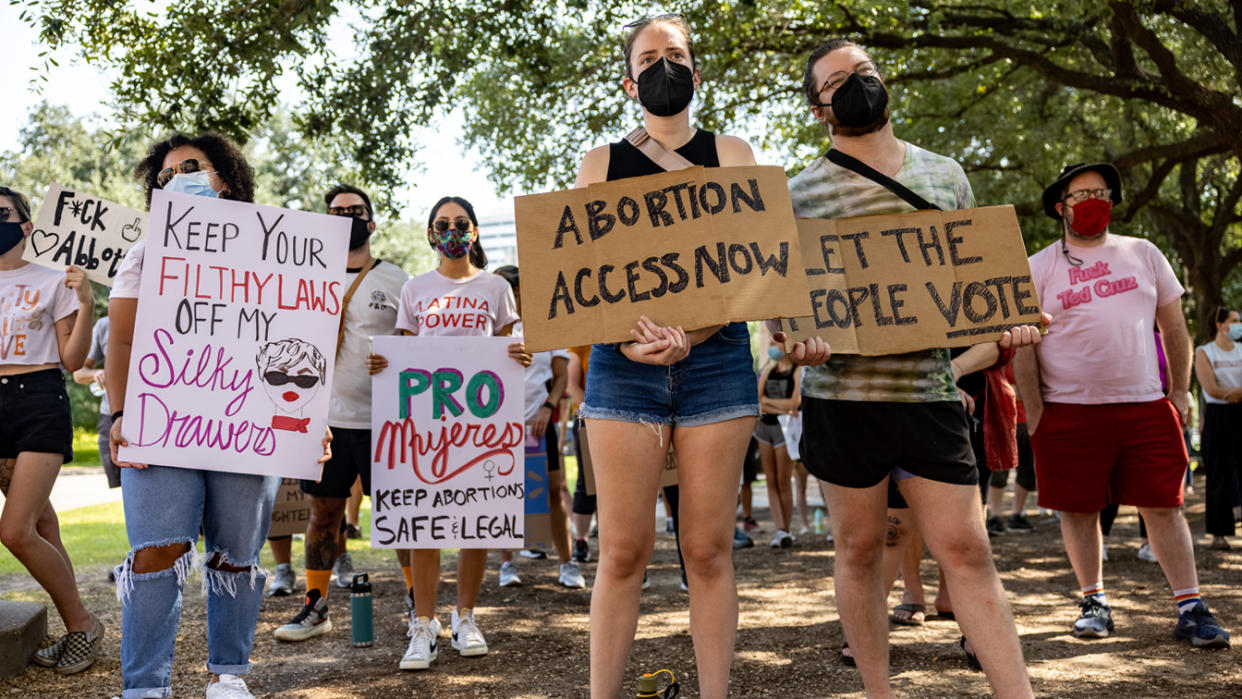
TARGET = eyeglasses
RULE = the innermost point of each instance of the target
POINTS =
(1084, 194)
(184, 167)
(865, 68)
(355, 211)
(277, 378)
(461, 225)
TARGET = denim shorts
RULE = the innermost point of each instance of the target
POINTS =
(715, 383)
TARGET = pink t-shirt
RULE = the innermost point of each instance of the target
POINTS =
(32, 299)
(1099, 348)
(435, 305)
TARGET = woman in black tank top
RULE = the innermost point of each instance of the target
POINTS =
(779, 394)
(630, 439)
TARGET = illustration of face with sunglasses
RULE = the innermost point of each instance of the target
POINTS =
(293, 371)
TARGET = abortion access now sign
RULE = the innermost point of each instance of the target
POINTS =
(447, 444)
(693, 247)
(235, 337)
(906, 282)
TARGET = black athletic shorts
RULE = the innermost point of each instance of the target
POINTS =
(553, 446)
(34, 414)
(351, 458)
(855, 444)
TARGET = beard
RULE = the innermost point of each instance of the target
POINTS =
(836, 129)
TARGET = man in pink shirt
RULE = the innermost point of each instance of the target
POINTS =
(1101, 427)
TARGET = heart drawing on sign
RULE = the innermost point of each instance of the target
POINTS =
(132, 231)
(43, 242)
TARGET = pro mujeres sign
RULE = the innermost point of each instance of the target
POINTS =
(906, 282)
(693, 247)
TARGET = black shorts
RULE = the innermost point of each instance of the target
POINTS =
(1025, 472)
(34, 414)
(856, 444)
(351, 458)
(552, 445)
(752, 464)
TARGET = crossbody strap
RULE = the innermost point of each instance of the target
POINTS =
(349, 294)
(854, 164)
(660, 154)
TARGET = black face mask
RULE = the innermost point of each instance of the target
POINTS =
(358, 233)
(665, 88)
(860, 101)
(10, 235)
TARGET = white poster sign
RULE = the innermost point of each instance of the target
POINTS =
(76, 228)
(447, 444)
(235, 338)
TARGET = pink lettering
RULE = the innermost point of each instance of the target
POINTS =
(1106, 287)
(1070, 298)
(1086, 274)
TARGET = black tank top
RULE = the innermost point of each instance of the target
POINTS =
(780, 384)
(624, 160)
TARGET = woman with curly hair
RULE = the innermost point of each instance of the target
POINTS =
(167, 506)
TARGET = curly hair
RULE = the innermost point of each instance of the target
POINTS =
(225, 155)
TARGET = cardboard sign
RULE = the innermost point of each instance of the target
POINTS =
(906, 282)
(75, 228)
(235, 337)
(667, 477)
(538, 495)
(447, 439)
(291, 514)
(693, 247)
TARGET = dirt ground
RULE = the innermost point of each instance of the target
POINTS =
(788, 639)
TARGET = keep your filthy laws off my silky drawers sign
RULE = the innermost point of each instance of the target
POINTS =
(906, 282)
(447, 440)
(693, 247)
(235, 337)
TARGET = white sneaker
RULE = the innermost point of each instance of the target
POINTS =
(424, 645)
(782, 540)
(310, 622)
(282, 581)
(1104, 552)
(509, 575)
(571, 576)
(467, 639)
(228, 687)
(343, 570)
(1146, 554)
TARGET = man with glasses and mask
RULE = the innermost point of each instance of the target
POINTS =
(373, 290)
(1102, 429)
(867, 420)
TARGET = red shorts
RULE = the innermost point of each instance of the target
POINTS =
(1090, 456)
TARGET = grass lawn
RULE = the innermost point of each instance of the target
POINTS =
(95, 537)
(85, 448)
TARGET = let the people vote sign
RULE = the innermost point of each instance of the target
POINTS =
(235, 337)
(76, 228)
(693, 247)
(447, 444)
(906, 282)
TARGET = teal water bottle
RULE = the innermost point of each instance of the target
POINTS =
(819, 520)
(360, 611)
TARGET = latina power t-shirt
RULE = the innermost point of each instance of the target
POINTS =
(1099, 348)
(435, 305)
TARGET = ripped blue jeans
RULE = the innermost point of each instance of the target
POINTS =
(168, 506)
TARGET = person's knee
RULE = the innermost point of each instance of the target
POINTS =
(966, 550)
(1158, 516)
(706, 555)
(153, 559)
(860, 549)
(327, 514)
(220, 562)
(17, 537)
(627, 556)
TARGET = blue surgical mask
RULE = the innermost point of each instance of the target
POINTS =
(776, 353)
(197, 183)
(1235, 331)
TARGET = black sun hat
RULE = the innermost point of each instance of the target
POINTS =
(1054, 191)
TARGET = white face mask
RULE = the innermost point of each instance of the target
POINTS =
(197, 183)
(1235, 331)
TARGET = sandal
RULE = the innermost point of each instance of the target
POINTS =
(916, 614)
(847, 659)
(971, 659)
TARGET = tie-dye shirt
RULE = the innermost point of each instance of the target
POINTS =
(827, 190)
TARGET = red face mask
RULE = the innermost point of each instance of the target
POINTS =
(1091, 217)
